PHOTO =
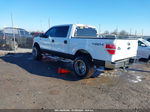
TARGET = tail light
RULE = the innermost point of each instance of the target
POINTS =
(111, 48)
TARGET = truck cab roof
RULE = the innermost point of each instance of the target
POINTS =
(78, 25)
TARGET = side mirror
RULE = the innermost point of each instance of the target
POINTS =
(43, 35)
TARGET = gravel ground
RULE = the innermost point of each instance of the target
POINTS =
(29, 84)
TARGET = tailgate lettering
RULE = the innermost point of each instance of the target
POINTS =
(98, 44)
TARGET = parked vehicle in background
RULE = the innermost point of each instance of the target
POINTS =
(81, 44)
(1, 33)
(22, 37)
(7, 43)
(148, 39)
(143, 49)
(1, 38)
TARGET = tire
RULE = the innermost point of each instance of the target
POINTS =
(83, 68)
(36, 53)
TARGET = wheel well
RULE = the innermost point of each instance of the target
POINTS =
(36, 45)
(84, 53)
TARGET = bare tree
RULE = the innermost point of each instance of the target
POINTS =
(115, 32)
(123, 33)
(106, 32)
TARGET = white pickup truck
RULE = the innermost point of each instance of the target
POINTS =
(81, 44)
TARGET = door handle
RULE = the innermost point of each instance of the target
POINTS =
(53, 41)
(65, 41)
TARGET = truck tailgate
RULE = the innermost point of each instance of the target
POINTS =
(125, 49)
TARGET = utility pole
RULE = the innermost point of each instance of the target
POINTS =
(49, 25)
(117, 30)
(13, 32)
(130, 31)
(142, 32)
(135, 32)
(41, 25)
(99, 29)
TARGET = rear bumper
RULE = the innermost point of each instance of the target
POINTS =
(113, 65)
(118, 64)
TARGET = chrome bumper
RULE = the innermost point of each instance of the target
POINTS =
(118, 64)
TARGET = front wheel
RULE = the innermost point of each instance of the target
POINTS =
(36, 53)
(83, 67)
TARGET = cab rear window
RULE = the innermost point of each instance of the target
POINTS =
(85, 32)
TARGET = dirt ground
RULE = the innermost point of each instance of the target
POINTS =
(29, 84)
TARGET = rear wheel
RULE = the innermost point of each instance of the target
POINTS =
(36, 52)
(83, 67)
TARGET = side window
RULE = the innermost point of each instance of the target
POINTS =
(21, 32)
(61, 31)
(51, 32)
(85, 32)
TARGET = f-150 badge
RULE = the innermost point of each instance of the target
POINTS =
(98, 44)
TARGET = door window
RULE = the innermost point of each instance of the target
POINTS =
(61, 31)
(51, 32)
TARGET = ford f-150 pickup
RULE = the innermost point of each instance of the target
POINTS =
(81, 44)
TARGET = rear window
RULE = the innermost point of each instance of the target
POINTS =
(85, 32)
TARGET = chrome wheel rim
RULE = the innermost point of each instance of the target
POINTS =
(80, 67)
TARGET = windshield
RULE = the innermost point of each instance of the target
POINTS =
(147, 43)
(84, 31)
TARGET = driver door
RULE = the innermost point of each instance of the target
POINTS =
(45, 41)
